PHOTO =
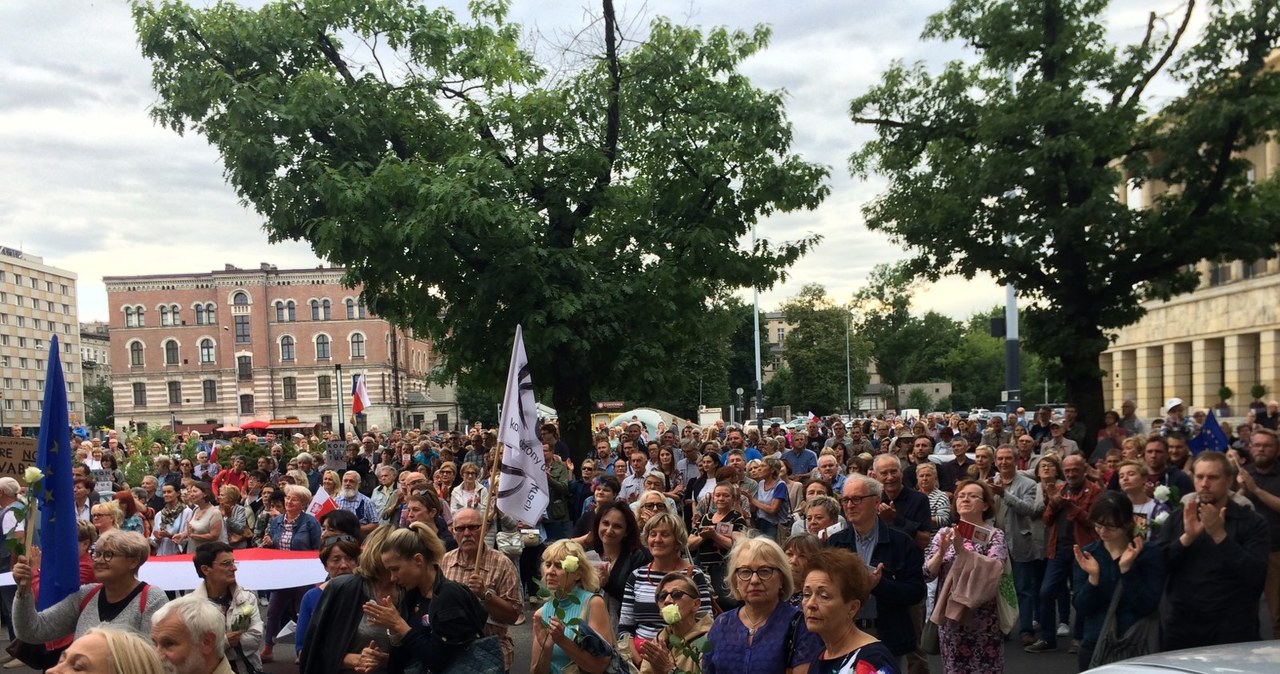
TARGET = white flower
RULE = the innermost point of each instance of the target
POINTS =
(247, 610)
(1160, 518)
(32, 475)
(569, 564)
(1162, 493)
(671, 614)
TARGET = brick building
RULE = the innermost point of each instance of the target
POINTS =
(36, 302)
(228, 347)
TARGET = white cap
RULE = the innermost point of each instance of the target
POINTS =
(299, 436)
(1172, 403)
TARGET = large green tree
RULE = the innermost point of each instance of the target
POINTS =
(468, 189)
(1035, 136)
(815, 353)
(99, 404)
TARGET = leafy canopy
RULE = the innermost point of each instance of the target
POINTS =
(467, 190)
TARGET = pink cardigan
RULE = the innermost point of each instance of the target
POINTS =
(972, 581)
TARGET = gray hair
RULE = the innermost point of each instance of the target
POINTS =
(351, 472)
(384, 468)
(887, 457)
(9, 486)
(200, 616)
(874, 488)
(825, 502)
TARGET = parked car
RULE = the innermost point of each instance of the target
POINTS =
(1255, 657)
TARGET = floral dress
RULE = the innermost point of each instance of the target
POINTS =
(978, 645)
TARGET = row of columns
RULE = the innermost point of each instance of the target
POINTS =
(1194, 371)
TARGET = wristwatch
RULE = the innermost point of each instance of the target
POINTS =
(488, 594)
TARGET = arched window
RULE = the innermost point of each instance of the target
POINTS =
(241, 298)
(293, 310)
(279, 312)
(164, 316)
(361, 311)
(171, 352)
(286, 348)
(135, 354)
(130, 319)
(322, 347)
(357, 345)
(175, 314)
(200, 314)
(206, 350)
(315, 310)
(142, 316)
(327, 309)
(210, 314)
(351, 308)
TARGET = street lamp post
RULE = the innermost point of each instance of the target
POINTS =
(848, 370)
(759, 397)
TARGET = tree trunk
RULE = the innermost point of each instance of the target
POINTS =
(1084, 390)
(571, 395)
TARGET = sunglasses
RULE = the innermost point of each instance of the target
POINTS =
(674, 595)
(463, 528)
(652, 507)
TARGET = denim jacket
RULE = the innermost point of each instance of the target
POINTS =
(306, 532)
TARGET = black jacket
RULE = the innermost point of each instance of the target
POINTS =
(333, 625)
(1213, 588)
(901, 586)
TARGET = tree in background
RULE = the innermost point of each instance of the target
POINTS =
(469, 189)
(919, 399)
(99, 405)
(1036, 136)
(814, 353)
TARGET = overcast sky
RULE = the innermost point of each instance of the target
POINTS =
(91, 184)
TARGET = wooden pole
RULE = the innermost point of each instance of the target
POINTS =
(494, 476)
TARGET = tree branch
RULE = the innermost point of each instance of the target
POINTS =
(486, 133)
(613, 114)
(1164, 58)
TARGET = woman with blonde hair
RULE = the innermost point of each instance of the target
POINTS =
(677, 590)
(105, 516)
(436, 619)
(107, 650)
(575, 600)
(753, 637)
(338, 631)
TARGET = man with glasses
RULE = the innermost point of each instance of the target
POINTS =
(895, 561)
(494, 581)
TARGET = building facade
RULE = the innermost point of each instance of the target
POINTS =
(37, 301)
(224, 348)
(1225, 333)
(95, 352)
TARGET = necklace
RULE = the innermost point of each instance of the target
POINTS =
(752, 628)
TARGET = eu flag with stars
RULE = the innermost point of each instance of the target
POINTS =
(60, 562)
(1209, 437)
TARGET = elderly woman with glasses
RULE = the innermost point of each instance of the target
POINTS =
(676, 590)
(470, 493)
(118, 598)
(754, 636)
(664, 536)
(216, 566)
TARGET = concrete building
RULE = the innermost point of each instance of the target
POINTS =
(227, 347)
(37, 301)
(1225, 333)
(95, 352)
(775, 329)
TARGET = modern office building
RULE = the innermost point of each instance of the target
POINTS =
(37, 301)
(223, 348)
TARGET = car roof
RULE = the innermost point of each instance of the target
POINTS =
(1259, 657)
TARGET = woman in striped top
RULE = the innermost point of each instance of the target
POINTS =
(665, 536)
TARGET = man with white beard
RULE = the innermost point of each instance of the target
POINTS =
(189, 634)
(349, 498)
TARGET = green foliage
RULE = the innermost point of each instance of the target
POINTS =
(99, 405)
(918, 398)
(1034, 137)
(814, 352)
(1258, 391)
(468, 191)
(1225, 393)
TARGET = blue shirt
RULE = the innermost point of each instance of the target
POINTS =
(765, 652)
(802, 461)
(748, 453)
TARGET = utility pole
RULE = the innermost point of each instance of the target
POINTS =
(395, 377)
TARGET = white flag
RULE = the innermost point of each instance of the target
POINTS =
(522, 492)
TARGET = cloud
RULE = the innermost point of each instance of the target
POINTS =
(92, 185)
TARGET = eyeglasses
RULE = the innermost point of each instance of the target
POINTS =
(855, 500)
(92, 515)
(652, 507)
(674, 595)
(765, 573)
(226, 563)
(463, 528)
(101, 555)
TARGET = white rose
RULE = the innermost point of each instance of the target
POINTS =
(32, 475)
(1160, 518)
(1162, 494)
(671, 614)
(569, 563)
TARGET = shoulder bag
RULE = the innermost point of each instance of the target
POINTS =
(1142, 638)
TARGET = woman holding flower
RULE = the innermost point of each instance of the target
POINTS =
(575, 599)
(678, 597)
(216, 565)
(1148, 512)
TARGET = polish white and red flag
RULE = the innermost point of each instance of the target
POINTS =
(359, 395)
(321, 504)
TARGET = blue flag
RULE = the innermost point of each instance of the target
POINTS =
(60, 563)
(1210, 437)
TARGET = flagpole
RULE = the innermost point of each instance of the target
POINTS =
(488, 510)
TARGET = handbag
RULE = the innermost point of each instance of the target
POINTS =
(929, 639)
(35, 656)
(509, 543)
(531, 538)
(1007, 600)
(482, 656)
(1142, 638)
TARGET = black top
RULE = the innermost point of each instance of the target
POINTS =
(440, 626)
(108, 610)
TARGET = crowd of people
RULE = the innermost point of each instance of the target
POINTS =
(858, 546)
